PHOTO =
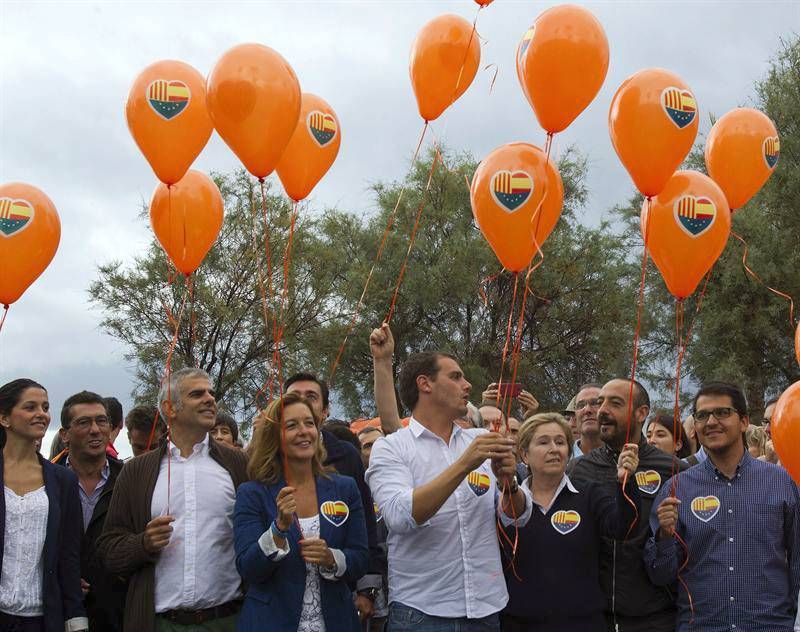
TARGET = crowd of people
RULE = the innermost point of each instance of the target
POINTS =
(462, 517)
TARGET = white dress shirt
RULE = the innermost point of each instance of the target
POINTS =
(197, 569)
(450, 565)
(22, 575)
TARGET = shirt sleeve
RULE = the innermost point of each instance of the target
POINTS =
(76, 623)
(523, 518)
(660, 556)
(340, 566)
(791, 527)
(392, 486)
(267, 544)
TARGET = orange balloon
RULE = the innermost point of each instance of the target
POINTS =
(516, 192)
(186, 219)
(29, 234)
(563, 62)
(167, 116)
(686, 230)
(254, 101)
(742, 150)
(484, 3)
(444, 59)
(312, 148)
(797, 343)
(785, 430)
(653, 124)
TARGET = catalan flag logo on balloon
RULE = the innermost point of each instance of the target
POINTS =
(168, 98)
(335, 512)
(511, 190)
(322, 127)
(772, 149)
(705, 508)
(695, 215)
(565, 521)
(649, 482)
(15, 215)
(478, 482)
(679, 105)
(525, 42)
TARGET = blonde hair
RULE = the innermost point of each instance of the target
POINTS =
(756, 436)
(266, 457)
(528, 428)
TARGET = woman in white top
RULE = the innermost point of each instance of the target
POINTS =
(40, 515)
(301, 546)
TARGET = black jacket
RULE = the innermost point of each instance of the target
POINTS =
(623, 577)
(105, 601)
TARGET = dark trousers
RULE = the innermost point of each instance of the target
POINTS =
(12, 623)
(657, 622)
(594, 623)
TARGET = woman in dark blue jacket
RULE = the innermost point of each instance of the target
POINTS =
(301, 545)
(554, 583)
(40, 514)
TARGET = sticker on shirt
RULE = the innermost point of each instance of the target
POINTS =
(378, 514)
(335, 511)
(565, 521)
(705, 507)
(649, 481)
(479, 482)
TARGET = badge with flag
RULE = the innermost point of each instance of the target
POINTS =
(772, 149)
(511, 190)
(168, 98)
(705, 508)
(377, 510)
(15, 215)
(479, 482)
(322, 127)
(649, 482)
(335, 512)
(694, 215)
(565, 521)
(679, 105)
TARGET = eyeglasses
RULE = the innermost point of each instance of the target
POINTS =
(585, 403)
(84, 423)
(719, 414)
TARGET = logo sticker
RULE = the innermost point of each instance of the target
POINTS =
(168, 98)
(695, 215)
(524, 43)
(511, 190)
(649, 482)
(679, 105)
(479, 482)
(705, 508)
(322, 127)
(772, 149)
(565, 521)
(335, 511)
(378, 514)
(15, 215)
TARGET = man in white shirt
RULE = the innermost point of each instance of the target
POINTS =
(170, 524)
(438, 487)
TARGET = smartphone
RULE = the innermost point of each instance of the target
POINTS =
(509, 390)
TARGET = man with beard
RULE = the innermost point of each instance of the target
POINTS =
(737, 518)
(586, 405)
(634, 603)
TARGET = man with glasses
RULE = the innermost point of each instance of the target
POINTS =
(85, 430)
(586, 406)
(727, 525)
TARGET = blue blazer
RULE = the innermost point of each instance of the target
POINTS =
(61, 556)
(275, 589)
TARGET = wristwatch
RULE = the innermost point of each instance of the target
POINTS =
(278, 532)
(369, 593)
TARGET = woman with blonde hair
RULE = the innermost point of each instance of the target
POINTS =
(558, 547)
(300, 535)
(756, 441)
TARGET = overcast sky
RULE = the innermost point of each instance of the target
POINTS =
(66, 68)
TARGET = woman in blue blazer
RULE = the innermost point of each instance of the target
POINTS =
(40, 522)
(302, 544)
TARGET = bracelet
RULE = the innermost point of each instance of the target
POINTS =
(277, 531)
(512, 489)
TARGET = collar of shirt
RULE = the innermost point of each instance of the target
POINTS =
(565, 482)
(418, 429)
(199, 448)
(104, 472)
(741, 467)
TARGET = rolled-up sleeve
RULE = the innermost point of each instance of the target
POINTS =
(522, 519)
(392, 486)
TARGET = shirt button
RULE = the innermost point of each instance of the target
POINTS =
(731, 598)
(729, 484)
(730, 568)
(730, 539)
(730, 510)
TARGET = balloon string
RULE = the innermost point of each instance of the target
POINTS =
(504, 536)
(281, 327)
(378, 254)
(484, 285)
(3, 318)
(268, 257)
(265, 389)
(676, 412)
(190, 278)
(494, 77)
(436, 158)
(758, 278)
(680, 576)
(504, 355)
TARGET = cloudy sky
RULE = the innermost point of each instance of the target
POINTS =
(66, 68)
